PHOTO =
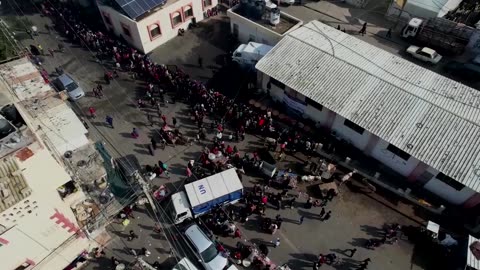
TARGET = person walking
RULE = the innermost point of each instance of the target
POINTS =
(276, 243)
(364, 263)
(174, 121)
(40, 49)
(322, 213)
(154, 143)
(132, 235)
(134, 133)
(300, 221)
(144, 252)
(164, 167)
(150, 119)
(389, 33)
(93, 112)
(363, 30)
(95, 92)
(200, 62)
(351, 251)
(327, 216)
(109, 121)
(51, 52)
(157, 228)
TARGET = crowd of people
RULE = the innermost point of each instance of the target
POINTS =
(204, 103)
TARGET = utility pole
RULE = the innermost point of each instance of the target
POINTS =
(144, 264)
(146, 190)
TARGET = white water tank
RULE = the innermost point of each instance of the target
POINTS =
(274, 16)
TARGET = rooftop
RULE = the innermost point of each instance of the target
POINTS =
(431, 117)
(286, 21)
(24, 79)
(58, 122)
(88, 161)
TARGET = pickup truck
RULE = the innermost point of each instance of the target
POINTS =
(202, 195)
(425, 54)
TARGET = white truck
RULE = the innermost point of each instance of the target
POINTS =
(247, 55)
(202, 195)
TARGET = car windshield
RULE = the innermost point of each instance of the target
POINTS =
(209, 254)
(71, 87)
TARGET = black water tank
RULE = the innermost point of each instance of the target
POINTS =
(12, 115)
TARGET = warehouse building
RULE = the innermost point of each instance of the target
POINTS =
(420, 124)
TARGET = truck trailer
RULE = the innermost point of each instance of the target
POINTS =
(201, 196)
(447, 37)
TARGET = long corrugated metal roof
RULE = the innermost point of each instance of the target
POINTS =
(427, 115)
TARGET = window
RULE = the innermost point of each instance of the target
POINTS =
(450, 181)
(187, 12)
(353, 126)
(398, 152)
(424, 177)
(107, 18)
(277, 83)
(207, 3)
(313, 103)
(126, 30)
(154, 31)
(176, 18)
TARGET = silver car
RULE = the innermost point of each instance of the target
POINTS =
(65, 82)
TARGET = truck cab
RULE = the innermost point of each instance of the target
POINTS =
(180, 209)
(412, 28)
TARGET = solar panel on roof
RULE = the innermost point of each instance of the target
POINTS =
(143, 4)
(152, 3)
(122, 2)
(136, 8)
(130, 12)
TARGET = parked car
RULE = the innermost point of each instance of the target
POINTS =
(210, 257)
(467, 71)
(66, 83)
(424, 53)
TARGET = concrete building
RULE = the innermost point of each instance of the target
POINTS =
(408, 9)
(418, 123)
(246, 27)
(146, 27)
(43, 210)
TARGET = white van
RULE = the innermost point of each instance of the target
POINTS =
(247, 55)
(210, 257)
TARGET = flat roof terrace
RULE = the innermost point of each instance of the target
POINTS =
(287, 22)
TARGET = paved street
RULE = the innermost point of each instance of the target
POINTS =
(356, 217)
